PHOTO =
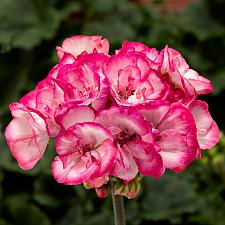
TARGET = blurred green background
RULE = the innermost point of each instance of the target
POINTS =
(29, 32)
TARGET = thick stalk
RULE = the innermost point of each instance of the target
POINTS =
(118, 207)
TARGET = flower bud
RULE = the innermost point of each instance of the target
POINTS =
(102, 191)
(129, 190)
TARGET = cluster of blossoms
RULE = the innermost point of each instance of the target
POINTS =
(119, 117)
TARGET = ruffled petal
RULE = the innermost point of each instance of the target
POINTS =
(78, 44)
(70, 114)
(125, 166)
(175, 150)
(179, 118)
(201, 84)
(171, 58)
(26, 136)
(100, 102)
(124, 118)
(75, 173)
(207, 129)
(45, 99)
(105, 154)
(149, 161)
(91, 133)
(154, 111)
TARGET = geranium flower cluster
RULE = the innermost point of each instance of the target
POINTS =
(134, 113)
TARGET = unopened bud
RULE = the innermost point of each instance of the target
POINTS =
(128, 189)
(103, 191)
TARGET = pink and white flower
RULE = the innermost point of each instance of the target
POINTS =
(26, 136)
(78, 44)
(84, 81)
(127, 127)
(174, 132)
(86, 150)
(132, 81)
(188, 80)
(131, 113)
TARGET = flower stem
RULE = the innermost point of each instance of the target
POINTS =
(118, 207)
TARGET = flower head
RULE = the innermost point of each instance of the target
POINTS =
(120, 117)
(128, 128)
(132, 80)
(174, 131)
(85, 151)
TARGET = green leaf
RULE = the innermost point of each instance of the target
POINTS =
(3, 222)
(169, 198)
(22, 212)
(112, 28)
(42, 194)
(36, 20)
(196, 19)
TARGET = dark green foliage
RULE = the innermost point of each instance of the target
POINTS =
(29, 32)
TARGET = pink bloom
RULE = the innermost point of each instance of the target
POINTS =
(128, 115)
(76, 45)
(128, 127)
(174, 133)
(84, 81)
(26, 136)
(188, 80)
(207, 130)
(45, 99)
(85, 151)
(132, 80)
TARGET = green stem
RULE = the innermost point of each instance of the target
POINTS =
(118, 207)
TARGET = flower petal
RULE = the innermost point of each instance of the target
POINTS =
(106, 154)
(124, 118)
(175, 150)
(179, 118)
(70, 114)
(87, 133)
(154, 111)
(207, 130)
(201, 84)
(75, 173)
(148, 160)
(125, 167)
(45, 99)
(78, 44)
(26, 136)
